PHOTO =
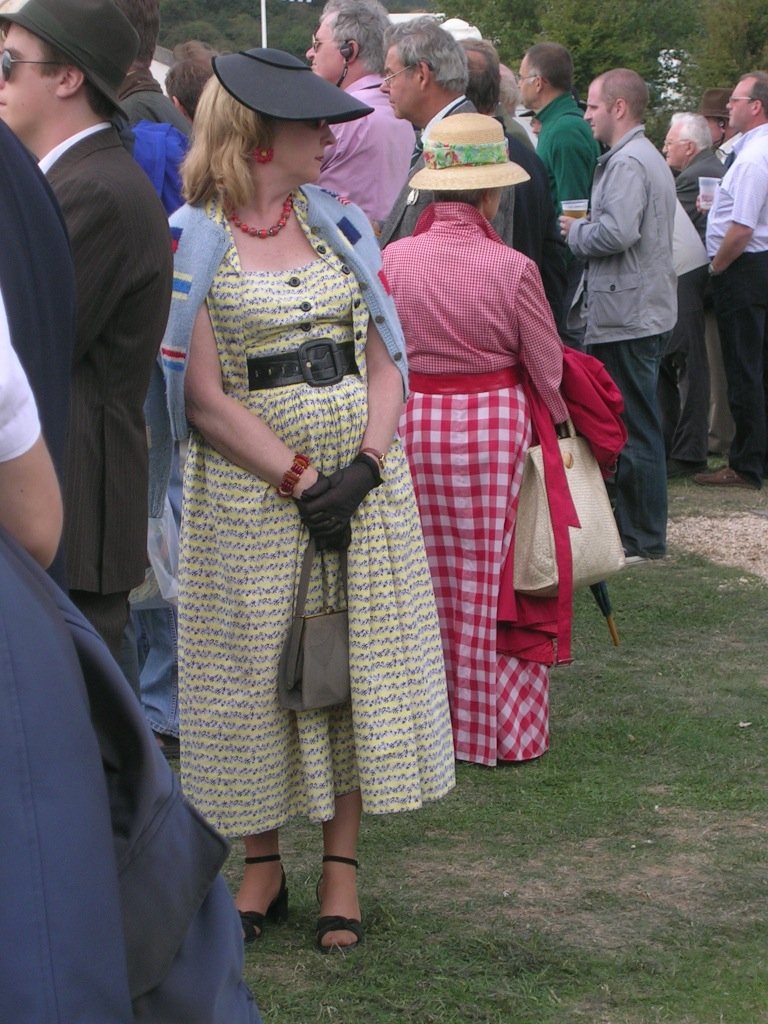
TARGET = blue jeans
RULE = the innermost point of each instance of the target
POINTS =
(641, 478)
(156, 630)
(158, 668)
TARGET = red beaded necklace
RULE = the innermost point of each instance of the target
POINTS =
(264, 232)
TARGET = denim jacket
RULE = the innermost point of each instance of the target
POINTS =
(631, 288)
(200, 244)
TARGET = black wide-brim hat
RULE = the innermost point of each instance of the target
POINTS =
(94, 34)
(279, 85)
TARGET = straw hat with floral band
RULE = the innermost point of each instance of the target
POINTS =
(467, 152)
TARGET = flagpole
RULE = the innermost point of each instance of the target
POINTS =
(263, 22)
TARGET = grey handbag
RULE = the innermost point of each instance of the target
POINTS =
(314, 664)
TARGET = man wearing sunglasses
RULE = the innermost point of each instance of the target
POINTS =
(737, 244)
(61, 64)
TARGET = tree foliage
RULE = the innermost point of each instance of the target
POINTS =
(732, 39)
(511, 25)
(679, 46)
(236, 24)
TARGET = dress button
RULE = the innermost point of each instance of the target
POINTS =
(306, 327)
(397, 356)
(379, 319)
(358, 335)
(294, 282)
(344, 268)
(305, 307)
(356, 303)
(322, 250)
(613, 287)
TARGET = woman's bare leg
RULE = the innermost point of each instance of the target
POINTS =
(261, 882)
(338, 889)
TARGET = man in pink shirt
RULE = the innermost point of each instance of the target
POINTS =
(370, 158)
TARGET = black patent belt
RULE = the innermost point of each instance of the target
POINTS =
(319, 363)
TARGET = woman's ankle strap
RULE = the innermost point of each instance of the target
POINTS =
(339, 860)
(262, 860)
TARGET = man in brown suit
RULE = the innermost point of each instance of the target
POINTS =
(62, 64)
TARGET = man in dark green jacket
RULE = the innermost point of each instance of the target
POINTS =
(566, 145)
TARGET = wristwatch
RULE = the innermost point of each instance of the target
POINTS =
(711, 270)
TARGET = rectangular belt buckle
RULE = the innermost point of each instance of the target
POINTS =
(320, 376)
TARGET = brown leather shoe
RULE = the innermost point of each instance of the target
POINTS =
(725, 477)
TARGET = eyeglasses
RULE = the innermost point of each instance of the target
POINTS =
(735, 99)
(7, 62)
(527, 78)
(674, 142)
(317, 123)
(408, 67)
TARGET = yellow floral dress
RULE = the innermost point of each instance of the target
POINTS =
(247, 764)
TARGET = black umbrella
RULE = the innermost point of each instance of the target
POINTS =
(600, 594)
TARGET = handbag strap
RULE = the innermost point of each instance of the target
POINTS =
(306, 569)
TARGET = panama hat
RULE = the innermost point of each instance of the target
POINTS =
(279, 85)
(713, 103)
(94, 34)
(465, 152)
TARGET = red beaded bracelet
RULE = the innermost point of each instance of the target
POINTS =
(291, 478)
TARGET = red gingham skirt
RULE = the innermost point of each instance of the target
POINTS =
(466, 456)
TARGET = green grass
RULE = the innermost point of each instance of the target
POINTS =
(619, 880)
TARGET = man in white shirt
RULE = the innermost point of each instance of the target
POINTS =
(737, 244)
(30, 500)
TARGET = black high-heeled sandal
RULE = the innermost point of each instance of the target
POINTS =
(337, 924)
(253, 921)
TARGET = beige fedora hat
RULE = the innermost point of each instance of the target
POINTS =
(465, 152)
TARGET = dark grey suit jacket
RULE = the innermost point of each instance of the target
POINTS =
(704, 165)
(122, 256)
(411, 203)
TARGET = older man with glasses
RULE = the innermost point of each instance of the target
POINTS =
(425, 75)
(684, 375)
(737, 244)
(369, 160)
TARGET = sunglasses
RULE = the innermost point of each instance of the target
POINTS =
(7, 62)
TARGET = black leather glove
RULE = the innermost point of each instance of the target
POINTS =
(326, 511)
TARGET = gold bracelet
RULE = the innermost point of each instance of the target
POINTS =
(379, 456)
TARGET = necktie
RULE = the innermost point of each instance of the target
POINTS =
(418, 147)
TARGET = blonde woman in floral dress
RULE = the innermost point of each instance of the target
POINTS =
(279, 451)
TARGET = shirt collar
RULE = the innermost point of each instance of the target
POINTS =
(631, 134)
(556, 107)
(50, 159)
(753, 133)
(455, 213)
(446, 110)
